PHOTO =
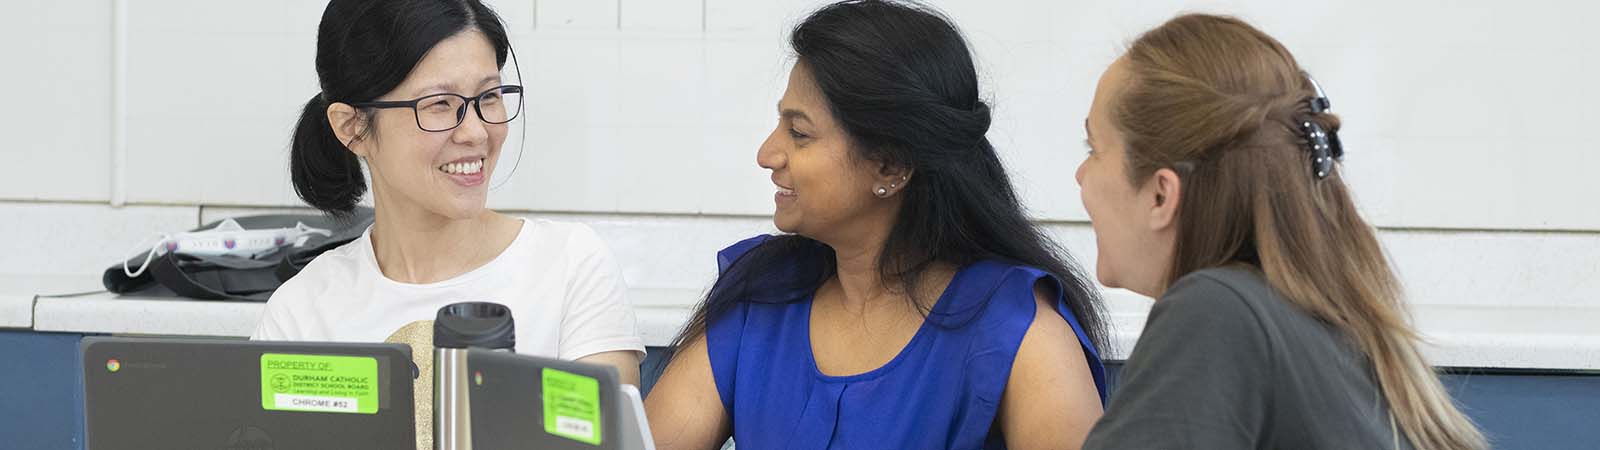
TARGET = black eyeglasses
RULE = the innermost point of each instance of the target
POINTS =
(445, 112)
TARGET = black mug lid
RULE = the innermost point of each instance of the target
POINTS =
(474, 324)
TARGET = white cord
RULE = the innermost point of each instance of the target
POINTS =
(301, 228)
(150, 256)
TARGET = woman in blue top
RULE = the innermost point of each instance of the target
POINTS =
(912, 304)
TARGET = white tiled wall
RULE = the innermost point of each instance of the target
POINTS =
(682, 16)
(80, 239)
(57, 79)
(1466, 123)
(210, 101)
(669, 252)
(1469, 116)
(577, 14)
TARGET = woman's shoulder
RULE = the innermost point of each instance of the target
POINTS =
(993, 287)
(543, 232)
(1229, 290)
(324, 277)
(545, 242)
(730, 254)
(339, 264)
(1001, 295)
(1224, 304)
(1238, 279)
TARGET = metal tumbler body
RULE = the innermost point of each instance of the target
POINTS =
(452, 411)
(458, 328)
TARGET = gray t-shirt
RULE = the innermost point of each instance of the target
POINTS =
(1226, 363)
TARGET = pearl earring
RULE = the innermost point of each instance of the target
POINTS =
(882, 191)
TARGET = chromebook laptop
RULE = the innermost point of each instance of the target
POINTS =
(527, 402)
(144, 393)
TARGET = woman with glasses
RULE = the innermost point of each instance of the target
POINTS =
(412, 89)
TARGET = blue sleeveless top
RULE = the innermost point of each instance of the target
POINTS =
(942, 390)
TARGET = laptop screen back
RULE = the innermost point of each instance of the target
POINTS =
(525, 402)
(230, 394)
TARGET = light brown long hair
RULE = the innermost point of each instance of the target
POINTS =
(1221, 103)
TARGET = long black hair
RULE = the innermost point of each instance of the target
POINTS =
(900, 79)
(365, 48)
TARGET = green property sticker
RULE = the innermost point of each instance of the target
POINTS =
(571, 406)
(319, 383)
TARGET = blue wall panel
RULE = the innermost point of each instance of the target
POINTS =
(41, 391)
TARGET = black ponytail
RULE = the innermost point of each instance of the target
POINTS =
(365, 48)
(326, 175)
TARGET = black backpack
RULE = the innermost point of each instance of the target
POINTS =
(233, 277)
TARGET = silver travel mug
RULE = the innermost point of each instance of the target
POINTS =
(456, 328)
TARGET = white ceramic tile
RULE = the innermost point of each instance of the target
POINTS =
(517, 15)
(668, 253)
(211, 109)
(1505, 269)
(572, 81)
(1478, 183)
(252, 169)
(762, 19)
(558, 172)
(1004, 20)
(1532, 351)
(1038, 128)
(734, 184)
(80, 239)
(662, 83)
(577, 14)
(744, 79)
(679, 16)
(19, 291)
(210, 214)
(736, 15)
(205, 17)
(16, 311)
(1510, 336)
(59, 73)
(118, 315)
(31, 284)
(654, 181)
(1471, 268)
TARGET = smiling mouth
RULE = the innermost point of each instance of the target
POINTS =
(463, 168)
(785, 191)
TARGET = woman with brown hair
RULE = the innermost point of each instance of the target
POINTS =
(1212, 185)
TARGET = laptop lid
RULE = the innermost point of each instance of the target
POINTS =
(148, 393)
(635, 429)
(527, 402)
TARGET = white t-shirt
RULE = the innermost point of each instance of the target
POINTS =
(564, 288)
